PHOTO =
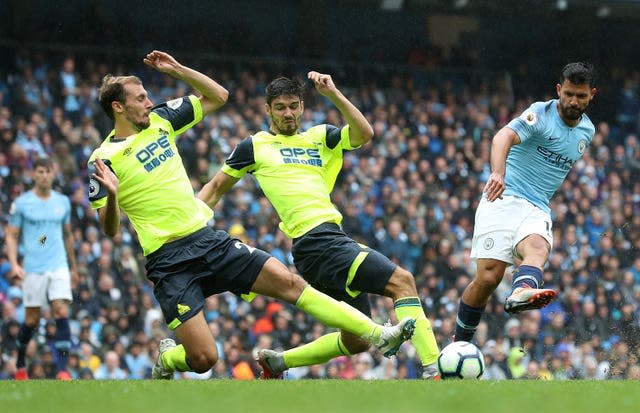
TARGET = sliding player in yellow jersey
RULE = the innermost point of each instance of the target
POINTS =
(297, 171)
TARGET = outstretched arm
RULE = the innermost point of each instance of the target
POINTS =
(500, 147)
(360, 131)
(213, 190)
(213, 94)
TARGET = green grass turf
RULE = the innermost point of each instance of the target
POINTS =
(325, 396)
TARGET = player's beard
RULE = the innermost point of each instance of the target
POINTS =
(287, 128)
(141, 124)
(572, 113)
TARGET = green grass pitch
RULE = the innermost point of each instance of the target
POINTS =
(325, 396)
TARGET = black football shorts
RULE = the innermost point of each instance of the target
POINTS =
(186, 271)
(325, 256)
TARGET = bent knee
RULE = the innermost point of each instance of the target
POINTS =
(489, 276)
(488, 282)
(534, 247)
(401, 284)
(202, 362)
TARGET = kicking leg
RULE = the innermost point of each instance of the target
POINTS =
(527, 278)
(276, 281)
(319, 351)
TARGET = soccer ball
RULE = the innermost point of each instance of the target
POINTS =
(460, 360)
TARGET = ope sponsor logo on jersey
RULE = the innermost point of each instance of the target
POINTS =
(155, 153)
(310, 156)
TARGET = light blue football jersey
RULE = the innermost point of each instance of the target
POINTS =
(41, 223)
(548, 149)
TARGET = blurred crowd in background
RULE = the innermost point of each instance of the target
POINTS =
(411, 194)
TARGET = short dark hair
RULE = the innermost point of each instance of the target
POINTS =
(579, 73)
(43, 162)
(283, 86)
(112, 90)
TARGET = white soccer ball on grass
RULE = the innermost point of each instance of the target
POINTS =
(461, 360)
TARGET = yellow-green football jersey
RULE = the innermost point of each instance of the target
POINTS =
(154, 189)
(297, 173)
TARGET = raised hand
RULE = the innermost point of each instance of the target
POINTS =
(323, 83)
(105, 176)
(162, 62)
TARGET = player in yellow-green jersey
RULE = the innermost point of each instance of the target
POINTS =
(137, 169)
(297, 172)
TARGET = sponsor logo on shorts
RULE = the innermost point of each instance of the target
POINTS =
(183, 309)
(239, 245)
(488, 243)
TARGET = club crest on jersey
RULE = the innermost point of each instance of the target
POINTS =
(530, 118)
(582, 145)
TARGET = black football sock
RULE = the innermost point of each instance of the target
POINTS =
(467, 321)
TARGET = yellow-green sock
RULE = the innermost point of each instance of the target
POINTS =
(337, 314)
(423, 338)
(318, 351)
(175, 359)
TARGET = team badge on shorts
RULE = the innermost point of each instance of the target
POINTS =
(488, 243)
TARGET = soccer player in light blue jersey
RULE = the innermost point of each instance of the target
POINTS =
(40, 223)
(530, 158)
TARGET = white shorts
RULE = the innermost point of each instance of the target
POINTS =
(40, 288)
(502, 224)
